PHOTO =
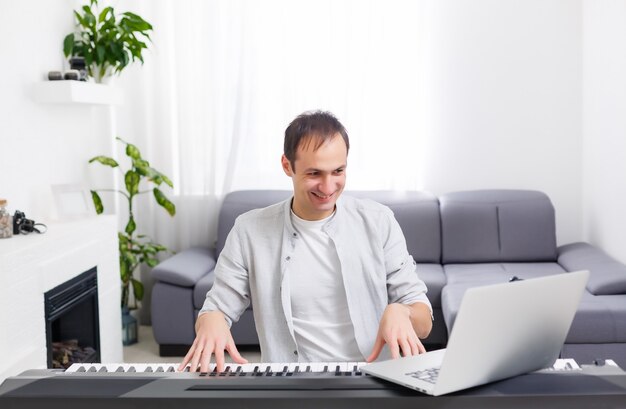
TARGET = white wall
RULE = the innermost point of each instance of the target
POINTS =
(503, 107)
(40, 144)
(503, 100)
(604, 129)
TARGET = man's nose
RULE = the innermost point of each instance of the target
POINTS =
(326, 185)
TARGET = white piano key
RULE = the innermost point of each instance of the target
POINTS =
(247, 368)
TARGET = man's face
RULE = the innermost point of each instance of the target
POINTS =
(319, 177)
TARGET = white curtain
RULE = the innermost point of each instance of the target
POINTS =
(224, 78)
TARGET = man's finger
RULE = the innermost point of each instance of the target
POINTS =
(219, 358)
(205, 359)
(195, 360)
(415, 346)
(378, 346)
(395, 350)
(406, 348)
(187, 357)
(422, 348)
(234, 353)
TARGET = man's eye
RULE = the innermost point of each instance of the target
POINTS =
(339, 171)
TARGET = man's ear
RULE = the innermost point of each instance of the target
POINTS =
(286, 166)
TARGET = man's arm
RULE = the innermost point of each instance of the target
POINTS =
(401, 327)
(226, 300)
(408, 317)
(421, 319)
(212, 337)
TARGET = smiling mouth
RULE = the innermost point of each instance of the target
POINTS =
(323, 197)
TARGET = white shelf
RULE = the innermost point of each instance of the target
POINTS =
(76, 92)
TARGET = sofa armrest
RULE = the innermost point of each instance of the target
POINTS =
(186, 267)
(607, 275)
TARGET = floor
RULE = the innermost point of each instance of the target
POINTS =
(147, 350)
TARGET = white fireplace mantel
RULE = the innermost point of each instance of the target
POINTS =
(33, 264)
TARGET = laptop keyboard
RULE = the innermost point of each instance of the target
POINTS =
(428, 375)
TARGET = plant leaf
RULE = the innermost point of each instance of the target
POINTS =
(132, 151)
(131, 226)
(81, 21)
(137, 289)
(68, 44)
(100, 54)
(105, 160)
(103, 14)
(166, 180)
(164, 202)
(97, 202)
(132, 182)
(152, 262)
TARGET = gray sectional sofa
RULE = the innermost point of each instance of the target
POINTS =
(458, 240)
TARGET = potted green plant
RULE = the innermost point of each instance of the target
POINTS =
(107, 41)
(135, 248)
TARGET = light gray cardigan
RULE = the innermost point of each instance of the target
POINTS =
(376, 267)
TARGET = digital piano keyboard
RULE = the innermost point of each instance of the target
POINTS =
(287, 385)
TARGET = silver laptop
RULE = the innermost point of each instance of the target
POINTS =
(501, 330)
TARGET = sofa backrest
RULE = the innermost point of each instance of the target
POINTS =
(497, 226)
(416, 212)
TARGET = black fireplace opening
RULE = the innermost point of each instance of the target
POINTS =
(72, 321)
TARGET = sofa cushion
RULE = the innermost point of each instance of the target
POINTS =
(418, 216)
(497, 225)
(463, 276)
(186, 267)
(493, 273)
(600, 319)
(202, 287)
(607, 276)
(435, 279)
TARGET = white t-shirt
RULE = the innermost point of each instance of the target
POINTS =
(321, 319)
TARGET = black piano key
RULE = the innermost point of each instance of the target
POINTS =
(132, 369)
(268, 371)
(284, 372)
(160, 369)
(308, 368)
(325, 368)
(295, 370)
(92, 369)
(338, 370)
(171, 369)
(81, 369)
(148, 369)
(120, 369)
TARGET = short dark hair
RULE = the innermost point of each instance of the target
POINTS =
(320, 126)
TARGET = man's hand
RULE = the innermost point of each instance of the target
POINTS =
(398, 327)
(212, 337)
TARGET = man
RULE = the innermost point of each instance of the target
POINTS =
(329, 278)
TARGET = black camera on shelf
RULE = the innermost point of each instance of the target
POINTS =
(21, 224)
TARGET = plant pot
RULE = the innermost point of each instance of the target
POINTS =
(129, 327)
